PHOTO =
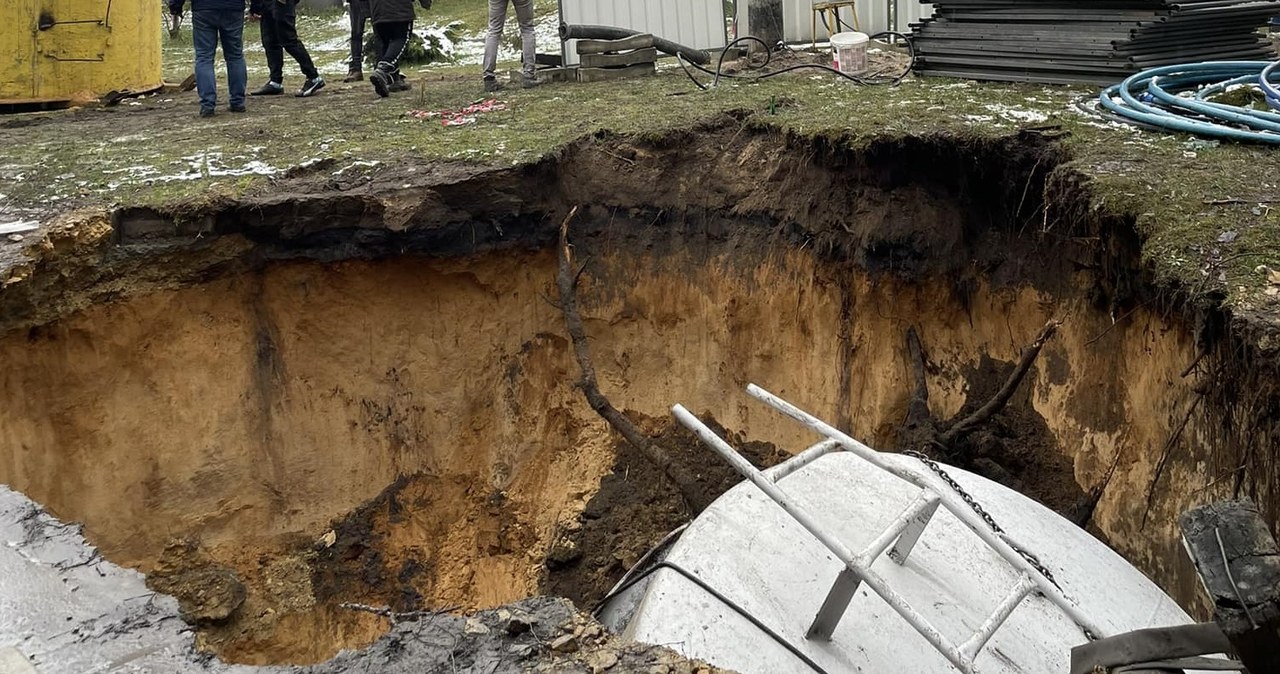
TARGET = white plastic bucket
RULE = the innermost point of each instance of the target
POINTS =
(849, 52)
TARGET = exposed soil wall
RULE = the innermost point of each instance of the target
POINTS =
(392, 420)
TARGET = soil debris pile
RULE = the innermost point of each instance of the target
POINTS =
(636, 507)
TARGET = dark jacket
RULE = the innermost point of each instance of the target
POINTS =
(263, 7)
(176, 6)
(393, 11)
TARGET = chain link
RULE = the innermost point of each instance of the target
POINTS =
(995, 528)
(982, 512)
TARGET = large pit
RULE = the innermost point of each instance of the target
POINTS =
(370, 398)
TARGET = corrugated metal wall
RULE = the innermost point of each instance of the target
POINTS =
(694, 23)
(873, 15)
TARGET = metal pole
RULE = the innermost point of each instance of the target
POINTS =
(1025, 586)
(802, 459)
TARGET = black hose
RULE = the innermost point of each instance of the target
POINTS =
(865, 81)
(719, 597)
(580, 32)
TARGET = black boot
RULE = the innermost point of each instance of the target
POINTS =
(382, 78)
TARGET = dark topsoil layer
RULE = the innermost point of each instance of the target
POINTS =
(637, 506)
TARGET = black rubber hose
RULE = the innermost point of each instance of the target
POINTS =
(568, 32)
(719, 73)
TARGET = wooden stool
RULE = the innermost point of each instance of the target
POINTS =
(820, 9)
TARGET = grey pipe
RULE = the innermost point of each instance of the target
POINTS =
(568, 32)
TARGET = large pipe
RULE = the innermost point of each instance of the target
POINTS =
(568, 32)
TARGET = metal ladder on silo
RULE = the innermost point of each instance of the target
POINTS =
(898, 539)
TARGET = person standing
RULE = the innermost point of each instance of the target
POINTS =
(528, 42)
(358, 11)
(279, 35)
(392, 25)
(214, 21)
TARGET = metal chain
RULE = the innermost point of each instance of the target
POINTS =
(981, 512)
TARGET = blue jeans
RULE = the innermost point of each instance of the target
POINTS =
(208, 27)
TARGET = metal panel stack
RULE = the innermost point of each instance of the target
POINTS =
(1089, 41)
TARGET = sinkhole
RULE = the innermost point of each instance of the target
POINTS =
(279, 408)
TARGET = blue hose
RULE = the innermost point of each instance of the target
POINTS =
(1162, 97)
(1268, 79)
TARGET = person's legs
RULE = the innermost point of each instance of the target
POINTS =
(271, 45)
(497, 17)
(204, 36)
(287, 32)
(528, 40)
(395, 40)
(394, 37)
(232, 31)
(359, 14)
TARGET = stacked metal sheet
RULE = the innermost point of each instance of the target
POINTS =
(1088, 41)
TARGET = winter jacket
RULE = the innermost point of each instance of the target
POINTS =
(176, 6)
(263, 7)
(394, 11)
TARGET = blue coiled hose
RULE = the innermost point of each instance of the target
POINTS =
(1270, 75)
(1175, 98)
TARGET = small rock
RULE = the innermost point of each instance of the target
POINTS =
(207, 595)
(15, 237)
(520, 650)
(329, 539)
(563, 551)
(600, 661)
(567, 643)
(1273, 277)
(474, 626)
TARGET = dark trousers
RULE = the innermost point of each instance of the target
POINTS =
(393, 37)
(280, 35)
(359, 13)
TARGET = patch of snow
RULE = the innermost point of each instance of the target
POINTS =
(356, 164)
(198, 166)
(1016, 114)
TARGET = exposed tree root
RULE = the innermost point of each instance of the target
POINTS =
(983, 414)
(920, 429)
(567, 282)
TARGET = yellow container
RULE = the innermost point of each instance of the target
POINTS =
(61, 50)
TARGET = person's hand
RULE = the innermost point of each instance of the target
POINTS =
(254, 17)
